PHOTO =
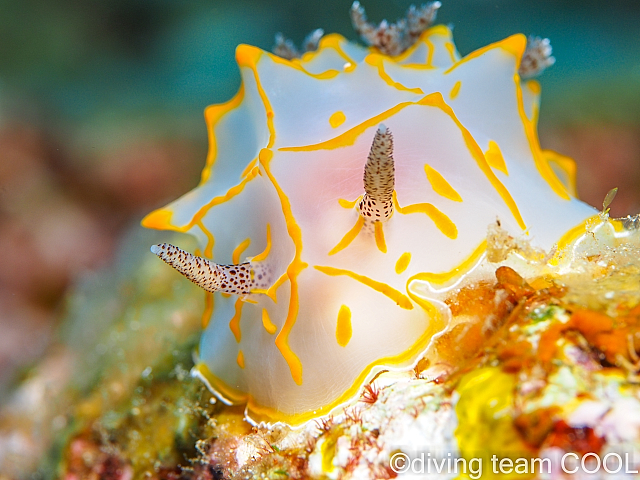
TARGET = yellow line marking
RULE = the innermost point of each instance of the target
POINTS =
(158, 219)
(234, 324)
(267, 323)
(259, 412)
(293, 270)
(442, 30)
(532, 136)
(515, 45)
(494, 157)
(465, 265)
(344, 330)
(442, 222)
(424, 39)
(451, 48)
(248, 56)
(440, 185)
(235, 256)
(534, 86)
(208, 249)
(249, 168)
(567, 165)
(432, 50)
(213, 114)
(377, 60)
(379, 235)
(571, 236)
(154, 218)
(240, 359)
(455, 90)
(337, 119)
(403, 262)
(433, 100)
(272, 291)
(331, 41)
(349, 203)
(208, 309)
(436, 100)
(326, 75)
(349, 236)
(261, 256)
(350, 136)
(392, 293)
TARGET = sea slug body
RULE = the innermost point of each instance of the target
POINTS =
(339, 191)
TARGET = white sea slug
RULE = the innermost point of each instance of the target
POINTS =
(341, 187)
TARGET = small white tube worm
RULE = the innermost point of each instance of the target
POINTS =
(376, 204)
(237, 279)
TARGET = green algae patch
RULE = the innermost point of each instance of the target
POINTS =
(134, 403)
(119, 394)
(485, 411)
(155, 431)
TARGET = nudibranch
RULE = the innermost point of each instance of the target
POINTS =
(341, 190)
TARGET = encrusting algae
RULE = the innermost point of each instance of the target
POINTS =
(538, 358)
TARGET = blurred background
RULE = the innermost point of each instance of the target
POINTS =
(101, 117)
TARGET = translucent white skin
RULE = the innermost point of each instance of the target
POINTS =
(315, 179)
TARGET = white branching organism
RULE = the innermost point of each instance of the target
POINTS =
(537, 57)
(285, 48)
(394, 38)
(376, 204)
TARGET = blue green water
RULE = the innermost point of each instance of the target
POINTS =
(168, 58)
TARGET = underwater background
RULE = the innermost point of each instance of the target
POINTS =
(101, 119)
